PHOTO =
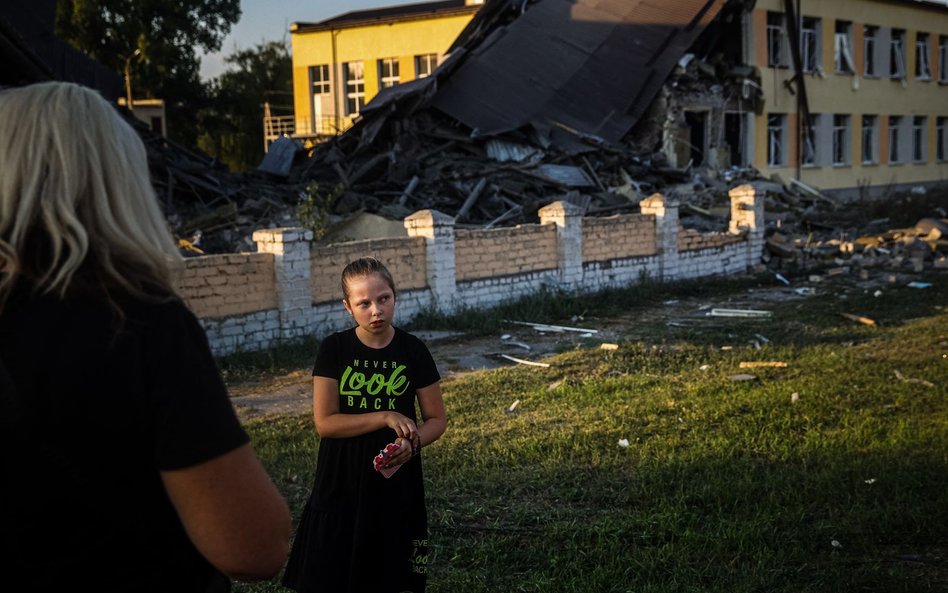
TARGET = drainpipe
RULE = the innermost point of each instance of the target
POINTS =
(336, 79)
(800, 122)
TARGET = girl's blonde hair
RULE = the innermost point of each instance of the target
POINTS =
(77, 209)
(361, 268)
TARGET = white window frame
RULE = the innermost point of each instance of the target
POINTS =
(941, 128)
(897, 67)
(919, 139)
(923, 57)
(843, 43)
(870, 35)
(355, 86)
(319, 84)
(942, 58)
(777, 54)
(776, 140)
(810, 43)
(842, 155)
(870, 143)
(388, 73)
(809, 154)
(895, 122)
(425, 64)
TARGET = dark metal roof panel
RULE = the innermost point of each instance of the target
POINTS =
(591, 65)
(356, 18)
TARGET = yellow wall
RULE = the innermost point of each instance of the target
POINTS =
(404, 40)
(856, 95)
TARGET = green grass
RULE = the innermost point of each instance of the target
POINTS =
(725, 486)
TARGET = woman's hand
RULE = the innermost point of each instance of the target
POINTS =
(403, 454)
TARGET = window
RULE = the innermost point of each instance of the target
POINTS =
(776, 135)
(870, 124)
(923, 65)
(810, 44)
(355, 87)
(809, 141)
(776, 42)
(843, 49)
(941, 128)
(388, 72)
(319, 78)
(897, 54)
(919, 125)
(841, 140)
(942, 59)
(895, 122)
(425, 65)
(870, 38)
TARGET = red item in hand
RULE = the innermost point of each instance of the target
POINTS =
(382, 457)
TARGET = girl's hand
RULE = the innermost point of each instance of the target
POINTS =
(403, 426)
(403, 454)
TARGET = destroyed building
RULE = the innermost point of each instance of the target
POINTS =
(605, 102)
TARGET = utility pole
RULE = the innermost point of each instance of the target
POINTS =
(128, 79)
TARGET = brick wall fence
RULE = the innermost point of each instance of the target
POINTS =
(291, 288)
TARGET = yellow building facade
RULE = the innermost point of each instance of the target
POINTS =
(876, 83)
(341, 63)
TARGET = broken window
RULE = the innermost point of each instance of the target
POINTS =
(923, 66)
(870, 38)
(942, 58)
(941, 127)
(319, 79)
(895, 122)
(843, 48)
(810, 44)
(388, 72)
(355, 87)
(425, 65)
(841, 139)
(870, 140)
(777, 54)
(809, 141)
(919, 123)
(735, 134)
(776, 136)
(897, 54)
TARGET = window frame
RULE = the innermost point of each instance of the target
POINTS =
(777, 41)
(355, 87)
(843, 48)
(389, 72)
(809, 155)
(870, 133)
(323, 81)
(431, 60)
(776, 140)
(919, 139)
(897, 63)
(870, 37)
(941, 128)
(943, 59)
(811, 57)
(895, 124)
(841, 140)
(923, 49)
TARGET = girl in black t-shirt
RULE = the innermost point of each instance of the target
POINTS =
(364, 528)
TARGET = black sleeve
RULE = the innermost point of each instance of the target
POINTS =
(327, 357)
(426, 372)
(193, 418)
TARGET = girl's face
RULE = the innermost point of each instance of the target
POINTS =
(371, 302)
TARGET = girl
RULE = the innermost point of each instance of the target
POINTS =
(363, 532)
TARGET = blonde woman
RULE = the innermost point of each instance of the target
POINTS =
(125, 467)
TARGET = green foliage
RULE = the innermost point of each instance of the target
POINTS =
(232, 124)
(315, 206)
(725, 486)
(166, 33)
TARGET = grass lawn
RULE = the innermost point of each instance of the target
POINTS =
(828, 474)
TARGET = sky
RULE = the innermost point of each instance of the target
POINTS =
(269, 20)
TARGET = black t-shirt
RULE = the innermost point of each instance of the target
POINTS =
(106, 411)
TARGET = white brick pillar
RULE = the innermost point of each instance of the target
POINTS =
(747, 216)
(568, 219)
(291, 266)
(438, 230)
(665, 211)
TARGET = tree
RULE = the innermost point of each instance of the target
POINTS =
(232, 124)
(166, 35)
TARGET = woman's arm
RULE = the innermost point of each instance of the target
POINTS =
(233, 513)
(330, 422)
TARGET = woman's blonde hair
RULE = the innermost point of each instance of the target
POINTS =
(77, 209)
